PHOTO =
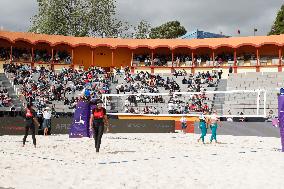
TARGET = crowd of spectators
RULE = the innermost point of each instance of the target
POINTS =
(188, 104)
(59, 57)
(199, 60)
(143, 58)
(132, 101)
(42, 55)
(224, 57)
(4, 54)
(161, 60)
(179, 104)
(21, 55)
(144, 82)
(182, 58)
(25, 55)
(62, 56)
(42, 86)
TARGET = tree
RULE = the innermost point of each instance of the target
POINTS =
(77, 18)
(142, 30)
(103, 21)
(61, 17)
(169, 30)
(278, 26)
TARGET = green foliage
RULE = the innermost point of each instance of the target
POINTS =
(142, 30)
(169, 30)
(77, 18)
(102, 19)
(94, 18)
(278, 26)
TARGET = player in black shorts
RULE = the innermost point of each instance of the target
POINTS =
(98, 121)
(31, 121)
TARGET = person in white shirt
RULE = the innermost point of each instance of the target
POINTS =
(171, 108)
(183, 124)
(46, 120)
(126, 103)
(199, 61)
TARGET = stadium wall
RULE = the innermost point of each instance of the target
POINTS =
(16, 126)
(122, 57)
(83, 56)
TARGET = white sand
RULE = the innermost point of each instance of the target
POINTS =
(145, 161)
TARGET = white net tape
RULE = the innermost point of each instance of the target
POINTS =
(234, 103)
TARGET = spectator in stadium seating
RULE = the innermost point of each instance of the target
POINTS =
(199, 61)
(270, 116)
(230, 119)
(13, 111)
(230, 69)
(242, 119)
(220, 72)
(171, 107)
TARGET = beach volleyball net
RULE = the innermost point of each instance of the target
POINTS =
(235, 103)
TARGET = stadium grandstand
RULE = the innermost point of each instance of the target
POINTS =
(54, 70)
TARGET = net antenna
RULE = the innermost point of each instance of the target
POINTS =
(251, 102)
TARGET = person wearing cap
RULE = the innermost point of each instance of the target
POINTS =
(31, 121)
(98, 121)
(202, 126)
(46, 125)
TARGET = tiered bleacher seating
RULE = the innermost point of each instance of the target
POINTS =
(247, 103)
(14, 102)
(118, 105)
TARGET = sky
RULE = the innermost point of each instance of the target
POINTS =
(226, 16)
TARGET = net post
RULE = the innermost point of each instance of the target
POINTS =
(257, 102)
(264, 102)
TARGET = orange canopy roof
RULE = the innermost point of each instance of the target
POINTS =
(213, 43)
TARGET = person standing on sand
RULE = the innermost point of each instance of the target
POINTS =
(214, 126)
(98, 120)
(46, 121)
(31, 121)
(202, 126)
(183, 124)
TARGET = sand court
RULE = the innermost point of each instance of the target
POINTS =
(141, 161)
